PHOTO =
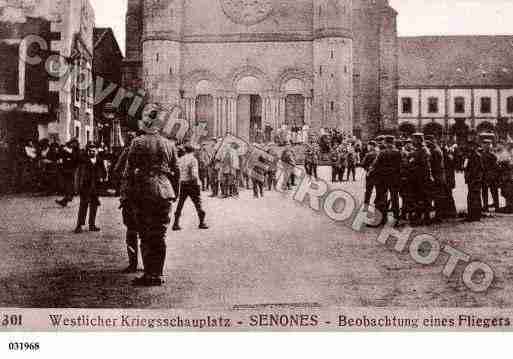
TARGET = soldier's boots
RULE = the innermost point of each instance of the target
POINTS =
(202, 216)
(92, 219)
(176, 224)
(132, 260)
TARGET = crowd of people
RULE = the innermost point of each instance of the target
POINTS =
(49, 168)
(415, 178)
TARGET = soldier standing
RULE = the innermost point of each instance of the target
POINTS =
(311, 160)
(351, 164)
(127, 205)
(335, 165)
(421, 179)
(506, 178)
(189, 187)
(474, 172)
(151, 165)
(204, 161)
(406, 191)
(386, 170)
(271, 172)
(491, 176)
(439, 190)
(370, 182)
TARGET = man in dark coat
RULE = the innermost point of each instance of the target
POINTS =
(421, 179)
(491, 176)
(91, 172)
(386, 170)
(152, 166)
(370, 182)
(439, 187)
(204, 160)
(335, 165)
(474, 173)
(70, 156)
(312, 159)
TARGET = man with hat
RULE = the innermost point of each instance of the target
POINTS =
(91, 172)
(421, 179)
(368, 160)
(439, 187)
(506, 177)
(189, 186)
(204, 161)
(386, 170)
(150, 166)
(474, 173)
(491, 175)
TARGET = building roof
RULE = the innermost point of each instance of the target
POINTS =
(102, 33)
(434, 61)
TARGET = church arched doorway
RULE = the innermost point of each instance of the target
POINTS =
(294, 103)
(249, 109)
(205, 107)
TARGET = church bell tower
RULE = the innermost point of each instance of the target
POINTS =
(333, 65)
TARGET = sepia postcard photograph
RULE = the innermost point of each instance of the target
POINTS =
(256, 166)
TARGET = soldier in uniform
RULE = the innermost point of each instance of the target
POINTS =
(506, 178)
(406, 191)
(491, 176)
(335, 165)
(450, 175)
(421, 179)
(370, 182)
(204, 161)
(439, 188)
(288, 157)
(127, 207)
(150, 166)
(271, 172)
(351, 164)
(474, 173)
(311, 160)
(189, 187)
(386, 171)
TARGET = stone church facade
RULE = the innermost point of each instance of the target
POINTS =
(239, 65)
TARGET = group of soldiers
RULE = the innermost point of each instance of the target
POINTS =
(225, 171)
(412, 178)
(415, 178)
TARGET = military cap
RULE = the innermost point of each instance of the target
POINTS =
(389, 139)
(91, 146)
(488, 141)
(429, 138)
(372, 143)
(190, 146)
(418, 135)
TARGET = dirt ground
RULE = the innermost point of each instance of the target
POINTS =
(257, 252)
